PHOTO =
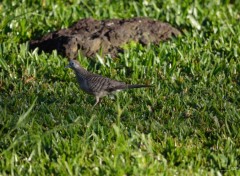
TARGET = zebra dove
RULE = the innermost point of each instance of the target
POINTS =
(98, 85)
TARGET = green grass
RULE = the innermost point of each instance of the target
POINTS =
(187, 124)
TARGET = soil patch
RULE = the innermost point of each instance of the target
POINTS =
(91, 36)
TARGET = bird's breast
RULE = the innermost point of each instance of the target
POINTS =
(84, 86)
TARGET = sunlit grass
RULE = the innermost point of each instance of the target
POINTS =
(188, 124)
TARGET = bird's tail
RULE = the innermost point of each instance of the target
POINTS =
(132, 86)
(128, 86)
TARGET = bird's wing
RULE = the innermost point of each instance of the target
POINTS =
(97, 83)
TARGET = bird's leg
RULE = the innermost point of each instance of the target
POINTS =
(97, 101)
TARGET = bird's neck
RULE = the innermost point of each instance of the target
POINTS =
(81, 72)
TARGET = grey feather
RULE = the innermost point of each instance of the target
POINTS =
(98, 85)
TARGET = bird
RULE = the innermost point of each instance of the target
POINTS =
(97, 85)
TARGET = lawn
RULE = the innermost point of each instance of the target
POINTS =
(187, 124)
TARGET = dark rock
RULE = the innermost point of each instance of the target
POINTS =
(90, 36)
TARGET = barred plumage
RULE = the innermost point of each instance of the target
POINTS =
(98, 85)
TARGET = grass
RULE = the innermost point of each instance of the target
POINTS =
(188, 124)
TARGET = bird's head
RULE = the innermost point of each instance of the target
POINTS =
(73, 64)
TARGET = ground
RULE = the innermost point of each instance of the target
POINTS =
(188, 124)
